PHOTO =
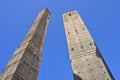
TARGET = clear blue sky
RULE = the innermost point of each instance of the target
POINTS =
(102, 17)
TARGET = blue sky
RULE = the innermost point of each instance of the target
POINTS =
(102, 18)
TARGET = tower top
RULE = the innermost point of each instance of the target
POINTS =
(46, 9)
(70, 12)
(73, 14)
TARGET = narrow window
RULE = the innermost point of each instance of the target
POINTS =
(83, 28)
(70, 14)
(90, 43)
(68, 32)
(91, 70)
(76, 67)
(76, 31)
(78, 72)
(101, 67)
(81, 46)
(72, 49)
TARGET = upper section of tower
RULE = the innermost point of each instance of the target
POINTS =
(77, 34)
(38, 29)
(72, 15)
(43, 14)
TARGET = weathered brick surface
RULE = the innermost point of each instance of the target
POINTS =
(87, 62)
(24, 65)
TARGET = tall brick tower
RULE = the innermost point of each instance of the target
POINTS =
(86, 60)
(24, 64)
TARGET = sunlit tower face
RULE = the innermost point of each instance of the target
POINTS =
(86, 60)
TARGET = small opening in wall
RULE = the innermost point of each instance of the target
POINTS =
(104, 72)
(76, 67)
(101, 67)
(70, 14)
(72, 49)
(76, 31)
(90, 43)
(91, 70)
(82, 46)
(83, 28)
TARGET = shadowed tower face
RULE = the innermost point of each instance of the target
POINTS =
(86, 60)
(24, 64)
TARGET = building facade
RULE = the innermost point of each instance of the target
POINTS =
(86, 60)
(25, 62)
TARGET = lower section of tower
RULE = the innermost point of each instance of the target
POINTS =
(90, 67)
(22, 70)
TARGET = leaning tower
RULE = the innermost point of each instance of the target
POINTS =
(86, 60)
(25, 62)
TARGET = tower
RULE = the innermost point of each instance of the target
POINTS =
(25, 62)
(86, 60)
